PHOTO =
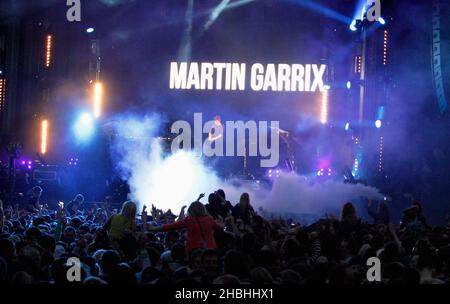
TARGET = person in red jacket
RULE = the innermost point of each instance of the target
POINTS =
(199, 225)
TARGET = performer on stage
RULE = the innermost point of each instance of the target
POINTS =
(289, 151)
(220, 163)
(218, 134)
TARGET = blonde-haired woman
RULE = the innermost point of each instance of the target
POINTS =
(122, 224)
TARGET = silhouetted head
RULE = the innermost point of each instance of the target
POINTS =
(221, 193)
(196, 209)
(348, 212)
(244, 200)
(129, 210)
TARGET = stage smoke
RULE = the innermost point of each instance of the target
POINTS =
(167, 181)
(294, 195)
(170, 181)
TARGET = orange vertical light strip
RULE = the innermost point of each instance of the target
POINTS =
(98, 99)
(2, 94)
(44, 136)
(48, 51)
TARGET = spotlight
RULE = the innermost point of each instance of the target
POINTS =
(84, 127)
(378, 123)
(347, 126)
(352, 26)
(321, 172)
(273, 173)
(90, 30)
(349, 85)
(382, 21)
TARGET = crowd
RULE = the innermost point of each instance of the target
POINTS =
(214, 242)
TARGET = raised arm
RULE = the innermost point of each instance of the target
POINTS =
(395, 237)
(107, 224)
(182, 214)
(174, 226)
(167, 227)
(202, 195)
(144, 218)
(60, 223)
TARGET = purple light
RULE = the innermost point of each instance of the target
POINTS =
(29, 162)
(29, 167)
(23, 162)
(325, 162)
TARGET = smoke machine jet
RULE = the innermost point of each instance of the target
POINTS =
(232, 76)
